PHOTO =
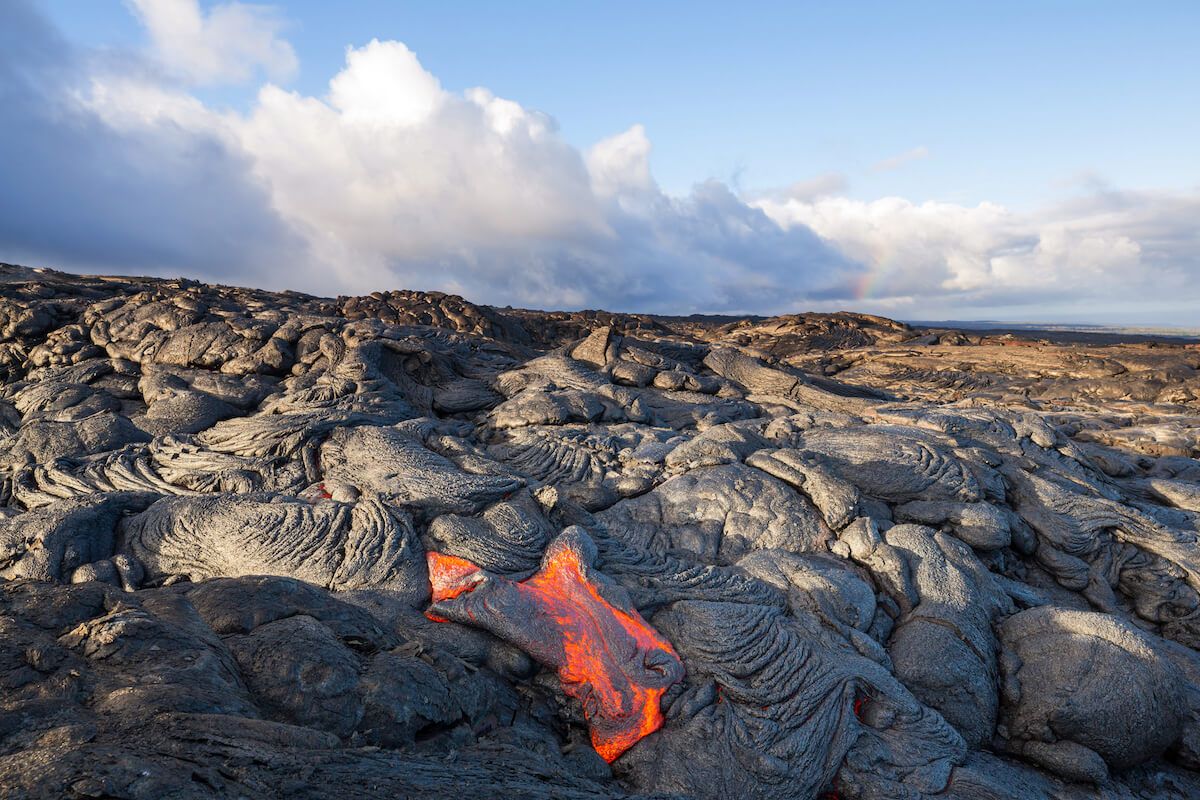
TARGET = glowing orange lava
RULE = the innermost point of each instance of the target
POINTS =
(607, 657)
(449, 575)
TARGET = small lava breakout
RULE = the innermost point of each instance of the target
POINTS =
(606, 656)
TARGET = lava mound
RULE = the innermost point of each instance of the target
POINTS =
(260, 544)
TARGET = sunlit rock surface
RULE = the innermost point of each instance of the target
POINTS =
(261, 544)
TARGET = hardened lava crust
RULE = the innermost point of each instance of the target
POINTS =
(271, 545)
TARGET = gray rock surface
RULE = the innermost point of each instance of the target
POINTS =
(894, 563)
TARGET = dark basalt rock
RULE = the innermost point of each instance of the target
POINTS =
(873, 561)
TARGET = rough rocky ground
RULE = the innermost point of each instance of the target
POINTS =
(895, 563)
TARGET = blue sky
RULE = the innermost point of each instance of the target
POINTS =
(1015, 101)
(1022, 160)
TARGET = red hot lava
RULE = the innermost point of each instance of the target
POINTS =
(607, 657)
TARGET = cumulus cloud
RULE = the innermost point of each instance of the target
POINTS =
(225, 45)
(392, 165)
(619, 166)
(394, 181)
(389, 180)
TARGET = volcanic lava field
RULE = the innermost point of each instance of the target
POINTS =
(271, 545)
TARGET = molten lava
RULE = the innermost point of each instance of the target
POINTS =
(607, 656)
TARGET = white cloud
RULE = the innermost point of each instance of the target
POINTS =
(393, 170)
(1105, 245)
(384, 85)
(620, 165)
(900, 159)
(227, 44)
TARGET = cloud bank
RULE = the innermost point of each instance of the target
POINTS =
(389, 180)
(153, 196)
(1110, 246)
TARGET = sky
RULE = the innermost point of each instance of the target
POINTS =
(1025, 161)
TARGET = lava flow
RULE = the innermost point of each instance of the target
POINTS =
(607, 657)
